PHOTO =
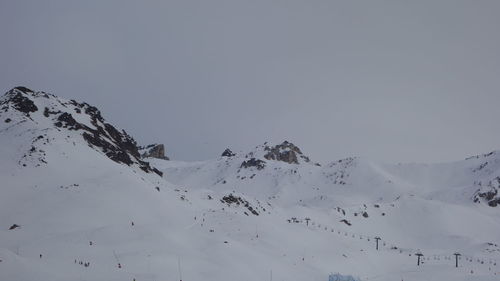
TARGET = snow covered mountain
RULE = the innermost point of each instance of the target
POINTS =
(44, 118)
(80, 201)
(430, 208)
(277, 169)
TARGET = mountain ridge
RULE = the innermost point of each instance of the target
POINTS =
(116, 145)
(83, 215)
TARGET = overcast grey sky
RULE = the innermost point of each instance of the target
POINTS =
(392, 81)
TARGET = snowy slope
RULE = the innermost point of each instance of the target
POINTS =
(434, 207)
(79, 191)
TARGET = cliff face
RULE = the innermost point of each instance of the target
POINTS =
(153, 151)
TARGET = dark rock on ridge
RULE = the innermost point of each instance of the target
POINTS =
(19, 101)
(252, 162)
(116, 145)
(154, 151)
(285, 152)
(228, 153)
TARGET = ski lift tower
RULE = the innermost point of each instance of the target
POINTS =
(419, 255)
(456, 258)
(377, 239)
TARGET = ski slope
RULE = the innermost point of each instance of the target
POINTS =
(93, 200)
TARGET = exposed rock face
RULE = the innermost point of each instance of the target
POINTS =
(14, 226)
(154, 151)
(489, 193)
(231, 199)
(20, 101)
(252, 162)
(66, 120)
(228, 153)
(116, 145)
(286, 152)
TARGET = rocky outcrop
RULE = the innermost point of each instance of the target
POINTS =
(228, 153)
(154, 151)
(14, 226)
(488, 193)
(19, 101)
(236, 200)
(253, 162)
(116, 145)
(285, 152)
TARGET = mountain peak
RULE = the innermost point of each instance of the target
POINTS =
(45, 112)
(18, 97)
(285, 152)
(228, 153)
